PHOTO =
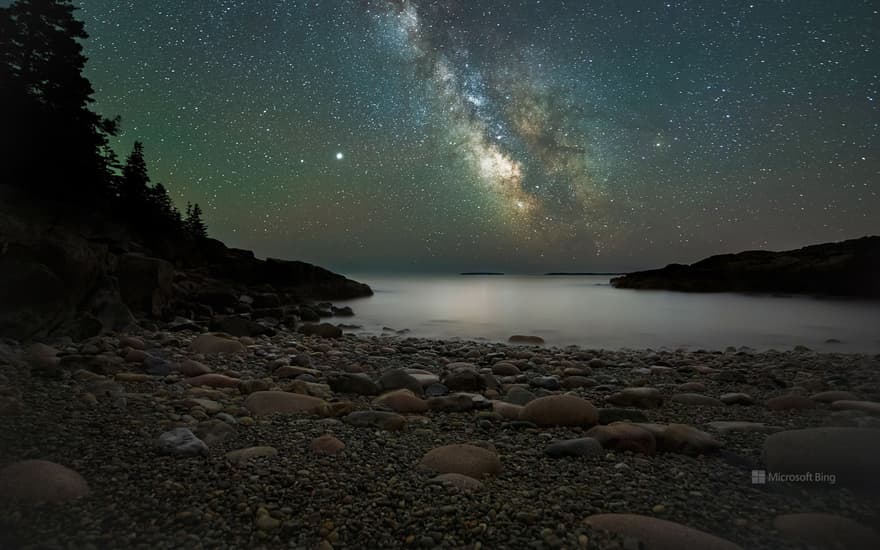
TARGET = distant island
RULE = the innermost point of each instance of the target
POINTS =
(481, 273)
(578, 273)
(847, 268)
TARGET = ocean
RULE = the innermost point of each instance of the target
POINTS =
(587, 311)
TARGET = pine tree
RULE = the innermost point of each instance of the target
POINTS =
(44, 103)
(193, 224)
(135, 180)
(163, 214)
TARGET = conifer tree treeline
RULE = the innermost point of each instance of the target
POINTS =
(53, 144)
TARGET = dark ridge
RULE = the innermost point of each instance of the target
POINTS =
(578, 273)
(848, 268)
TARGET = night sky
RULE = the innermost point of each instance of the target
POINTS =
(522, 136)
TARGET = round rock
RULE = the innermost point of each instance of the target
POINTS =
(560, 410)
(659, 534)
(464, 459)
(41, 481)
(270, 402)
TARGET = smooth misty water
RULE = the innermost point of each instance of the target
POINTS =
(587, 311)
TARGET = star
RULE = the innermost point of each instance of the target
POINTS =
(339, 156)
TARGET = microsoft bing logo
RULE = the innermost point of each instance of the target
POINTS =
(759, 477)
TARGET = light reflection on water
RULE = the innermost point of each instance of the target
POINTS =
(587, 311)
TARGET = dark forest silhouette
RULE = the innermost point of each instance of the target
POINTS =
(54, 146)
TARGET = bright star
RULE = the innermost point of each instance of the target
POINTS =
(338, 156)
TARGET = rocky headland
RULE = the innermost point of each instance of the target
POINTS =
(847, 268)
(80, 274)
(172, 436)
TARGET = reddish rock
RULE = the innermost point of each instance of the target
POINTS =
(216, 343)
(41, 481)
(624, 436)
(659, 534)
(560, 410)
(271, 402)
(401, 401)
(327, 445)
(790, 402)
(684, 439)
(193, 368)
(464, 459)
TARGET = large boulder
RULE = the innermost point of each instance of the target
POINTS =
(464, 459)
(145, 283)
(848, 454)
(40, 481)
(560, 410)
(46, 275)
(658, 534)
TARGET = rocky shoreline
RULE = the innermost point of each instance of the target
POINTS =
(173, 438)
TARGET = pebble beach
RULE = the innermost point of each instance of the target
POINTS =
(173, 438)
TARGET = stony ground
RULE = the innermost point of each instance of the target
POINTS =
(99, 407)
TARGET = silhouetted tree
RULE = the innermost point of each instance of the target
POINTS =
(165, 217)
(133, 185)
(193, 224)
(51, 140)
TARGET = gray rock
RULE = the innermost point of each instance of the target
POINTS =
(396, 379)
(519, 396)
(436, 390)
(181, 442)
(214, 431)
(464, 377)
(356, 383)
(546, 382)
(156, 366)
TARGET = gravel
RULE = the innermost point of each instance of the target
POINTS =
(372, 494)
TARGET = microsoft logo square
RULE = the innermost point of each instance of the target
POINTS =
(759, 477)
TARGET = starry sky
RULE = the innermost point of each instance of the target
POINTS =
(509, 135)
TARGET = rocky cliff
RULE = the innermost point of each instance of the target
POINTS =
(847, 268)
(77, 273)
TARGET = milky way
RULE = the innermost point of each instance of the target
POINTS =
(448, 135)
